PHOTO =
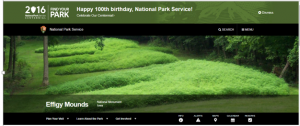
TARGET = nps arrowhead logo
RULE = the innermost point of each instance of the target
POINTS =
(43, 29)
(33, 8)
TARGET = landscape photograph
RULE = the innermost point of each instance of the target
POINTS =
(151, 74)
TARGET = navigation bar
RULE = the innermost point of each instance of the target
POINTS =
(152, 118)
(151, 29)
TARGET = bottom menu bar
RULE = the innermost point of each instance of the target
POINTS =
(152, 118)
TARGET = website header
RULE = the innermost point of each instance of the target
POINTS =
(151, 12)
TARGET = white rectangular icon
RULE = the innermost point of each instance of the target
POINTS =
(249, 119)
(232, 120)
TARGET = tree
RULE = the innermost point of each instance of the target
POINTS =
(4, 48)
(99, 42)
(293, 53)
(220, 41)
(14, 58)
(236, 44)
(6, 39)
(285, 68)
(19, 38)
(48, 41)
(292, 58)
(10, 54)
(45, 76)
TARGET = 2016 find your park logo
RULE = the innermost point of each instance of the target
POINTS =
(39, 12)
(35, 12)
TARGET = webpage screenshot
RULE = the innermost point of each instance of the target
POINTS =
(151, 62)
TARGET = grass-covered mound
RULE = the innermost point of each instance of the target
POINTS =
(117, 54)
(112, 56)
(174, 82)
(199, 77)
(88, 47)
(71, 52)
(82, 44)
(130, 58)
(100, 82)
(192, 77)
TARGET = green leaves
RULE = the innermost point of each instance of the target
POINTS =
(6, 39)
(99, 42)
(52, 41)
(293, 54)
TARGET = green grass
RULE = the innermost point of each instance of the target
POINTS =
(117, 54)
(235, 104)
(198, 77)
(88, 47)
(78, 59)
(99, 82)
(203, 78)
(71, 52)
(35, 60)
(239, 104)
(112, 45)
(175, 82)
(121, 60)
(79, 45)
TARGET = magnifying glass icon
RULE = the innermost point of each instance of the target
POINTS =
(219, 29)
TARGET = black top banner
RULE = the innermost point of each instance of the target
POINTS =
(152, 118)
(150, 29)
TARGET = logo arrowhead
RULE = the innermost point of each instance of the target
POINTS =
(33, 8)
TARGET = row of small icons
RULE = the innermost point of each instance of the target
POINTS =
(215, 119)
(243, 29)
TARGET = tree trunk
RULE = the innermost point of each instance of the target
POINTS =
(45, 77)
(237, 60)
(168, 40)
(10, 54)
(297, 74)
(223, 48)
(255, 57)
(4, 49)
(19, 38)
(190, 47)
(205, 46)
(186, 47)
(284, 69)
(14, 58)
